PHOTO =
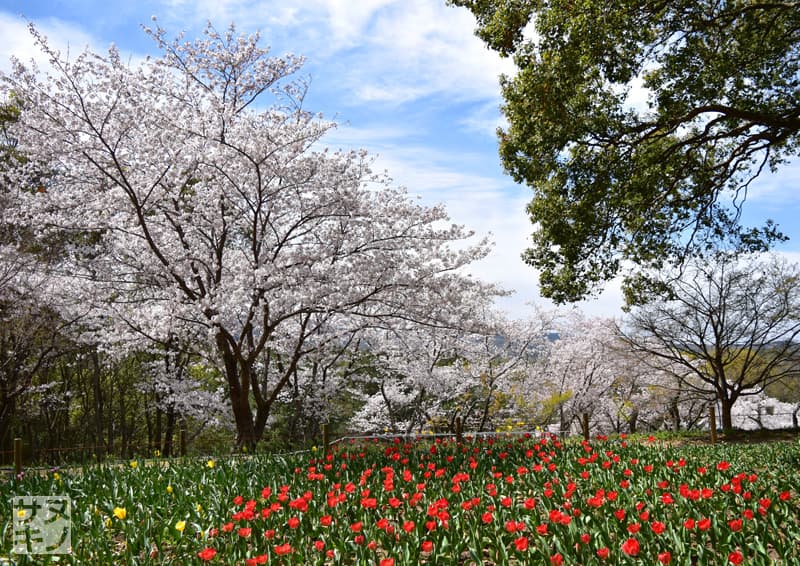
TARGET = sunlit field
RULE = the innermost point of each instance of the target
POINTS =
(508, 499)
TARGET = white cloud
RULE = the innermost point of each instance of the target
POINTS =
(441, 176)
(638, 96)
(432, 46)
(348, 20)
(194, 13)
(332, 25)
(18, 41)
(485, 119)
(404, 49)
(778, 188)
(393, 94)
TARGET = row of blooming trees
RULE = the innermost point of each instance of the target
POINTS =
(183, 212)
(726, 329)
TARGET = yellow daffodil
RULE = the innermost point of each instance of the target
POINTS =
(134, 464)
(169, 489)
(180, 526)
(211, 464)
(120, 513)
(22, 513)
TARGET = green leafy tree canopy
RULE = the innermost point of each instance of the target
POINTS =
(614, 181)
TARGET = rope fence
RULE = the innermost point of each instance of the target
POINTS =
(86, 452)
(19, 450)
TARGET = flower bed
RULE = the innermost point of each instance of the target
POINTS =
(501, 500)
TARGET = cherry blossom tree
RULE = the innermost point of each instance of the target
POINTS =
(640, 395)
(432, 378)
(579, 370)
(417, 378)
(499, 363)
(32, 336)
(667, 402)
(180, 389)
(209, 210)
(31, 333)
(325, 387)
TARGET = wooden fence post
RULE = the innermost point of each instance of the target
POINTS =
(712, 423)
(325, 440)
(459, 430)
(17, 456)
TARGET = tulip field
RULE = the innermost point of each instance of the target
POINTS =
(500, 500)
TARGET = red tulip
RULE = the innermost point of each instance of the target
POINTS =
(658, 527)
(631, 547)
(282, 549)
(735, 557)
(207, 554)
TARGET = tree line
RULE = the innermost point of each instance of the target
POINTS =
(178, 251)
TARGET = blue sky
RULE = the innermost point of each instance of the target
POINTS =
(406, 79)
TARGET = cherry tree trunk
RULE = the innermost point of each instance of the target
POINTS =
(242, 415)
(633, 421)
(237, 375)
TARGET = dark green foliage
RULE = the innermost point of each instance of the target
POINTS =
(614, 181)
